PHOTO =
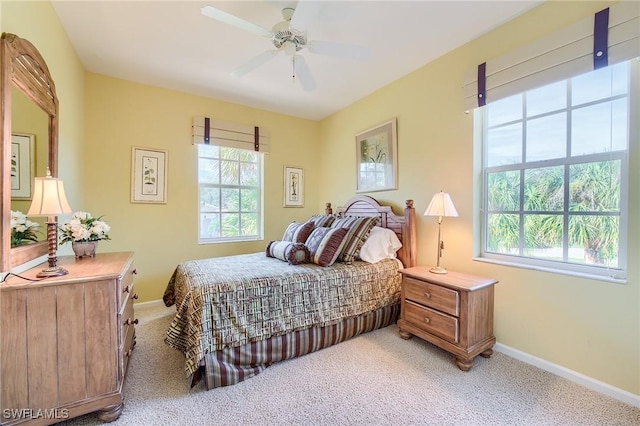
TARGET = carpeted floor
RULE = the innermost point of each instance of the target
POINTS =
(373, 379)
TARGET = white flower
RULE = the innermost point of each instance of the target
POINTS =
(83, 227)
(99, 228)
(81, 216)
(18, 218)
(22, 230)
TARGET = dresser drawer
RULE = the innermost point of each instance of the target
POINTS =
(434, 296)
(129, 332)
(431, 321)
(126, 311)
(126, 285)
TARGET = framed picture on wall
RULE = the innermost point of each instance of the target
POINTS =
(22, 165)
(377, 158)
(148, 175)
(293, 187)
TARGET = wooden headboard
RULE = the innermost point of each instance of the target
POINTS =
(404, 226)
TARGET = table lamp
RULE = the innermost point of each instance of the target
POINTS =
(49, 200)
(440, 206)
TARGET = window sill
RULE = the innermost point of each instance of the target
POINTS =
(232, 240)
(552, 270)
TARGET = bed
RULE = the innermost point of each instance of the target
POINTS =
(236, 315)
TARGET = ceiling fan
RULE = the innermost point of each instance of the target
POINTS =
(289, 36)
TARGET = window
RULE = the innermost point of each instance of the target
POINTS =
(230, 194)
(555, 170)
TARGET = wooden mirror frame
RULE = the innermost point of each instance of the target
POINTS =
(22, 66)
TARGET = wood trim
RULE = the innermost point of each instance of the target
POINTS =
(22, 65)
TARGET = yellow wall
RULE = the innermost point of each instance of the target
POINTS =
(588, 326)
(122, 114)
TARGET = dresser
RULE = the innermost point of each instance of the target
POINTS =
(453, 311)
(66, 341)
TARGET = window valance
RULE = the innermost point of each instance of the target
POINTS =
(207, 130)
(558, 56)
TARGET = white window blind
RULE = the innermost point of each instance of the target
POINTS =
(230, 135)
(556, 57)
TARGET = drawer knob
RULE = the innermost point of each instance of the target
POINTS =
(135, 296)
(427, 295)
(127, 289)
(128, 353)
(129, 322)
(134, 272)
(427, 320)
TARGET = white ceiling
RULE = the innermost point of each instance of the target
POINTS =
(171, 44)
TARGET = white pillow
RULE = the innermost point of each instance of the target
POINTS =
(382, 243)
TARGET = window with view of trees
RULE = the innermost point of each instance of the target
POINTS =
(555, 174)
(230, 187)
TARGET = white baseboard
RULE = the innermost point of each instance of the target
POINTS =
(581, 379)
(149, 304)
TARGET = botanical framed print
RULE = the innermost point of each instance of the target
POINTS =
(377, 158)
(148, 175)
(22, 165)
(293, 187)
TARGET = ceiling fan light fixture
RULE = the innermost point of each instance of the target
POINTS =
(289, 36)
(290, 48)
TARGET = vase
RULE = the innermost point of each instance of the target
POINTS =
(84, 248)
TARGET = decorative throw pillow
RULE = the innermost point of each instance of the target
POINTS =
(298, 232)
(294, 253)
(382, 243)
(324, 245)
(359, 228)
(322, 220)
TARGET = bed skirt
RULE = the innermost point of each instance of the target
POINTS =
(233, 365)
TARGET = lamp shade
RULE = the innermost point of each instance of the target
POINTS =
(49, 198)
(441, 205)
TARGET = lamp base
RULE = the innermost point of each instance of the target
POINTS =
(55, 271)
(438, 270)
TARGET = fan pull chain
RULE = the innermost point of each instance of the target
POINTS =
(293, 71)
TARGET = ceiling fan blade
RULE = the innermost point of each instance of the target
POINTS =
(304, 13)
(348, 51)
(230, 19)
(254, 63)
(303, 73)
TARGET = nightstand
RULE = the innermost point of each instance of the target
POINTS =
(453, 311)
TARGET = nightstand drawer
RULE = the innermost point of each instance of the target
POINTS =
(440, 298)
(431, 321)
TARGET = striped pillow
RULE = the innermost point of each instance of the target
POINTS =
(324, 245)
(294, 253)
(298, 232)
(320, 220)
(359, 228)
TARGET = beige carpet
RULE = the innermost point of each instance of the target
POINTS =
(373, 379)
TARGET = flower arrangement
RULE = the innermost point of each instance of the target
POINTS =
(22, 230)
(82, 227)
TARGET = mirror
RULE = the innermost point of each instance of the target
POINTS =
(26, 90)
(29, 155)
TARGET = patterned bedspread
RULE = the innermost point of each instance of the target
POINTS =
(229, 301)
